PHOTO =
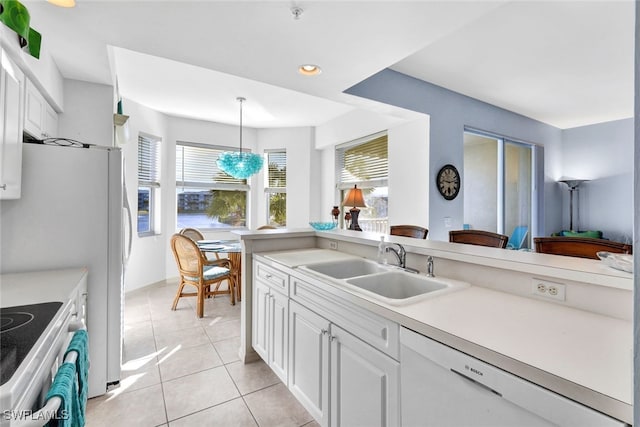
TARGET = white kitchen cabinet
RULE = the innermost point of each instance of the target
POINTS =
(11, 107)
(278, 354)
(270, 337)
(365, 383)
(338, 378)
(336, 358)
(40, 119)
(309, 361)
(260, 319)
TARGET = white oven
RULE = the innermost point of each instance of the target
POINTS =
(24, 393)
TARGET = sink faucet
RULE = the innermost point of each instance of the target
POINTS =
(400, 253)
(430, 266)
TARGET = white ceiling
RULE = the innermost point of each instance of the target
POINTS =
(566, 63)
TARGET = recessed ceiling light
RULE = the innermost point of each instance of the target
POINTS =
(63, 3)
(309, 70)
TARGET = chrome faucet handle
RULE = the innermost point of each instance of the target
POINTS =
(430, 266)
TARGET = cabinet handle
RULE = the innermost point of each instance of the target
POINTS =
(268, 276)
(3, 186)
(333, 338)
(325, 332)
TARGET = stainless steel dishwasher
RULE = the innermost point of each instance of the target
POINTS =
(444, 387)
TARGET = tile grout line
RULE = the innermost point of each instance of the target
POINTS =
(155, 344)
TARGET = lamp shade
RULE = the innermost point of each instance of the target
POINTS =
(573, 183)
(240, 165)
(354, 198)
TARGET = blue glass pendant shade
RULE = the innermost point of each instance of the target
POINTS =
(240, 165)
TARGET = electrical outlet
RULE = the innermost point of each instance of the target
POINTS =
(333, 244)
(547, 289)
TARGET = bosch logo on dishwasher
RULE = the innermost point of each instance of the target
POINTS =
(473, 370)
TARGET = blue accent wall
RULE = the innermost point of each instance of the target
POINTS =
(450, 112)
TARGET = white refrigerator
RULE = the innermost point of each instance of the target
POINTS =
(71, 215)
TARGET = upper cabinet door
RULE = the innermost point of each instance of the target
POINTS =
(40, 119)
(11, 107)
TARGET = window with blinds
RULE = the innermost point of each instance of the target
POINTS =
(148, 183)
(207, 198)
(365, 163)
(276, 188)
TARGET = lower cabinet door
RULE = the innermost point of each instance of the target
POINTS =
(279, 334)
(309, 361)
(260, 319)
(365, 383)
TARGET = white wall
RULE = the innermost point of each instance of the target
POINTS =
(602, 153)
(409, 173)
(148, 254)
(88, 116)
(301, 180)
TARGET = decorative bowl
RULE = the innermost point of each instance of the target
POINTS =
(622, 262)
(319, 225)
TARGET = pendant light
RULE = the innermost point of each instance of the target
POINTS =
(238, 164)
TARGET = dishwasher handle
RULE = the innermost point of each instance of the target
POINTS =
(478, 383)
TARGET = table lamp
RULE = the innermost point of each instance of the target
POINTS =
(355, 199)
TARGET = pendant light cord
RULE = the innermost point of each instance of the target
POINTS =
(241, 100)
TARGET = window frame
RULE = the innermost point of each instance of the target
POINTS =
(213, 185)
(150, 179)
(380, 224)
(270, 191)
(536, 165)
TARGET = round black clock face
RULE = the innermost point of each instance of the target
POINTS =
(448, 181)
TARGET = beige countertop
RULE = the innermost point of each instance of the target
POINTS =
(583, 355)
(39, 286)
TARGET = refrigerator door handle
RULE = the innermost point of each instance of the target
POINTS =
(127, 208)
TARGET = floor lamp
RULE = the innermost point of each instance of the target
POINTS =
(573, 185)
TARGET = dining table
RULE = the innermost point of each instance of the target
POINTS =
(233, 250)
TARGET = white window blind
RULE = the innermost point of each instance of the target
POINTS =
(197, 166)
(363, 163)
(148, 161)
(277, 165)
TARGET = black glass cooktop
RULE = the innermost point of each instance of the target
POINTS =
(20, 328)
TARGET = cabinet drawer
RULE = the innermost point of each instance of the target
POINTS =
(375, 330)
(274, 278)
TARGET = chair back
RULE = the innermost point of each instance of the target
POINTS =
(517, 237)
(479, 237)
(192, 233)
(409, 231)
(266, 227)
(583, 247)
(187, 254)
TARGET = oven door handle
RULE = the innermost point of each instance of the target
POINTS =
(43, 416)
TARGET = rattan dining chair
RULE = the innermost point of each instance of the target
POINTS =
(479, 237)
(196, 270)
(193, 233)
(196, 235)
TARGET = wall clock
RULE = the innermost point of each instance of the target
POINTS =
(448, 181)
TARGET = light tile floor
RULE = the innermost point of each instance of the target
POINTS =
(179, 370)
